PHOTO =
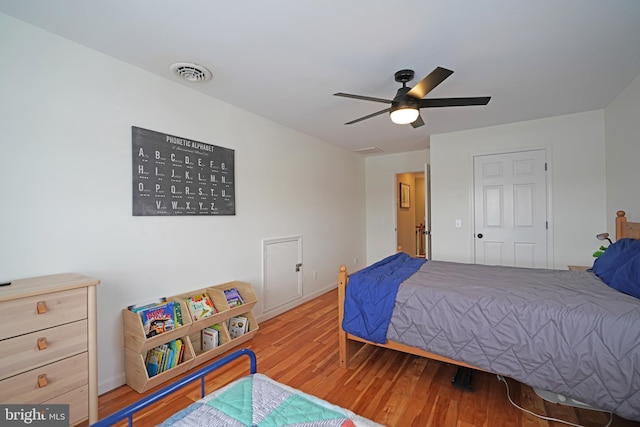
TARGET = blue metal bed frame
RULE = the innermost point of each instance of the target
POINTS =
(129, 411)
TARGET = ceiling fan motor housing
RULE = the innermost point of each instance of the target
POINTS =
(401, 100)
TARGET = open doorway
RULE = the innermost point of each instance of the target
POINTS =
(412, 213)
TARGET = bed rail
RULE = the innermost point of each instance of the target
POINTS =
(131, 410)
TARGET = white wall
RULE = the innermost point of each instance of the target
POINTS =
(381, 200)
(622, 129)
(65, 173)
(576, 149)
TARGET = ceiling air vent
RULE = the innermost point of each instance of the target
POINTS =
(370, 150)
(191, 72)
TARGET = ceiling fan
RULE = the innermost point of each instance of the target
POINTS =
(405, 107)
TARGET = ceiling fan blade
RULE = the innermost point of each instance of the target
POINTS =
(364, 98)
(386, 110)
(453, 102)
(427, 84)
(417, 122)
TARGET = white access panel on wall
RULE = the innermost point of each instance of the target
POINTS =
(282, 271)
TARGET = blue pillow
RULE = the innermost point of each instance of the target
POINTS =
(616, 255)
(627, 278)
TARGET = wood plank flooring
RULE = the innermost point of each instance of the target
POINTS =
(300, 348)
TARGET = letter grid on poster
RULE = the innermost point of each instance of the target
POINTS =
(178, 176)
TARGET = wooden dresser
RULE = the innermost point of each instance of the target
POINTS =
(48, 343)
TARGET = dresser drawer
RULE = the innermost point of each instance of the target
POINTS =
(61, 377)
(25, 352)
(78, 402)
(20, 316)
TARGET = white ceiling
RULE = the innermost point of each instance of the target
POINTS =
(283, 59)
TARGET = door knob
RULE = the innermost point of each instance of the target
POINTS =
(479, 235)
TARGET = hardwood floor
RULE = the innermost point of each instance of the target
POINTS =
(300, 348)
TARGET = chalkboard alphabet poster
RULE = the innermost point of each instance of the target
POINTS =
(178, 176)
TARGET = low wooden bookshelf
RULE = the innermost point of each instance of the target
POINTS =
(190, 332)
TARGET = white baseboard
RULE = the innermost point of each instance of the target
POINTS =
(293, 304)
(113, 383)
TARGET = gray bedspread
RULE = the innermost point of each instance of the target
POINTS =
(559, 330)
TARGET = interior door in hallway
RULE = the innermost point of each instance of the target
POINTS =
(510, 209)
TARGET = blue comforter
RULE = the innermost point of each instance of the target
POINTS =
(371, 295)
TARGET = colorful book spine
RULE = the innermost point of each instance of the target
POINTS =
(164, 357)
(177, 314)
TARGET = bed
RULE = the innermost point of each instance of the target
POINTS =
(252, 400)
(574, 333)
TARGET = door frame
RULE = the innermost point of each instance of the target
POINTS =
(426, 168)
(472, 205)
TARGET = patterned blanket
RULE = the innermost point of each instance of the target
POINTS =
(257, 400)
(558, 330)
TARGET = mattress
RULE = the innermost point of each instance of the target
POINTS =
(558, 330)
(257, 400)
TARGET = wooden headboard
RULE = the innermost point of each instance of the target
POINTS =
(625, 228)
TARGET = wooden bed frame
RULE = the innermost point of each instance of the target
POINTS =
(350, 344)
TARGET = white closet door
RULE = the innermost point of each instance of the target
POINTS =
(510, 208)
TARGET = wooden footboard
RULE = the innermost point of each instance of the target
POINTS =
(350, 344)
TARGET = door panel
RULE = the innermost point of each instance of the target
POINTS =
(282, 274)
(524, 255)
(494, 207)
(510, 209)
(492, 253)
(523, 205)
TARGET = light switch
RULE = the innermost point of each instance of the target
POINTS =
(458, 223)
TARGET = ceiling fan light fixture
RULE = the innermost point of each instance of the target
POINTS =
(403, 116)
(406, 105)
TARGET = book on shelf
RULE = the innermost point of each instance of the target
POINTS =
(177, 314)
(238, 326)
(180, 352)
(148, 304)
(164, 357)
(210, 338)
(155, 360)
(158, 318)
(201, 306)
(234, 298)
(152, 363)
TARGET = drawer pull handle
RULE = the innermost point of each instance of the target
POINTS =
(42, 380)
(42, 307)
(42, 343)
